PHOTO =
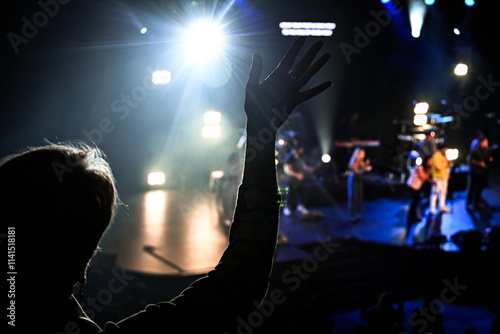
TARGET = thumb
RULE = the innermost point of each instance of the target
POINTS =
(255, 70)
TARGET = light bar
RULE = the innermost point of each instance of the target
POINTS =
(307, 28)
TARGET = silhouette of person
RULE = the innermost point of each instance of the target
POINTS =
(495, 322)
(296, 169)
(358, 165)
(383, 318)
(479, 161)
(61, 199)
(427, 147)
(418, 176)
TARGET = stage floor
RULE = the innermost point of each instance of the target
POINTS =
(173, 232)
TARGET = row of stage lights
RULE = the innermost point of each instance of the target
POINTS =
(468, 3)
(417, 10)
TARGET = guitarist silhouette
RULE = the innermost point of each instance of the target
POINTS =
(297, 171)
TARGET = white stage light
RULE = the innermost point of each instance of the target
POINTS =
(417, 11)
(456, 31)
(452, 154)
(307, 28)
(326, 158)
(420, 120)
(421, 108)
(212, 117)
(461, 69)
(144, 30)
(161, 77)
(204, 40)
(156, 178)
(210, 131)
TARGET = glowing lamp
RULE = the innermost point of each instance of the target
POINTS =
(461, 69)
(421, 108)
(420, 120)
(156, 178)
(326, 158)
(452, 154)
(210, 131)
(161, 77)
(212, 117)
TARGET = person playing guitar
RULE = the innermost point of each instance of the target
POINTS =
(297, 170)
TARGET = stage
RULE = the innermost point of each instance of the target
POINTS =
(164, 239)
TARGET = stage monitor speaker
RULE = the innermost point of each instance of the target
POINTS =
(468, 240)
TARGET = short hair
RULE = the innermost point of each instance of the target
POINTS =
(60, 197)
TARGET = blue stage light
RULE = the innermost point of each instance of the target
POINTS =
(470, 3)
(385, 1)
(429, 2)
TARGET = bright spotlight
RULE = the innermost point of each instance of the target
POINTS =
(212, 117)
(326, 158)
(144, 30)
(421, 108)
(469, 3)
(418, 161)
(417, 13)
(210, 131)
(456, 31)
(161, 77)
(420, 120)
(429, 2)
(452, 154)
(217, 174)
(461, 69)
(385, 1)
(204, 40)
(156, 178)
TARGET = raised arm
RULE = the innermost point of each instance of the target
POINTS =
(240, 280)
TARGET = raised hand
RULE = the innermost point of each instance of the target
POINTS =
(269, 103)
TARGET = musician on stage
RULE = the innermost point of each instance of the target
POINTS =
(480, 159)
(296, 169)
(358, 165)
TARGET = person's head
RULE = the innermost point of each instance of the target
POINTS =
(60, 199)
(427, 163)
(385, 300)
(483, 143)
(361, 154)
(299, 149)
(430, 135)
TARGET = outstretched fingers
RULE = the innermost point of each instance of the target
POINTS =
(287, 61)
(255, 70)
(313, 69)
(310, 93)
(306, 60)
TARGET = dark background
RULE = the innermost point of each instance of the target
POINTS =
(63, 81)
